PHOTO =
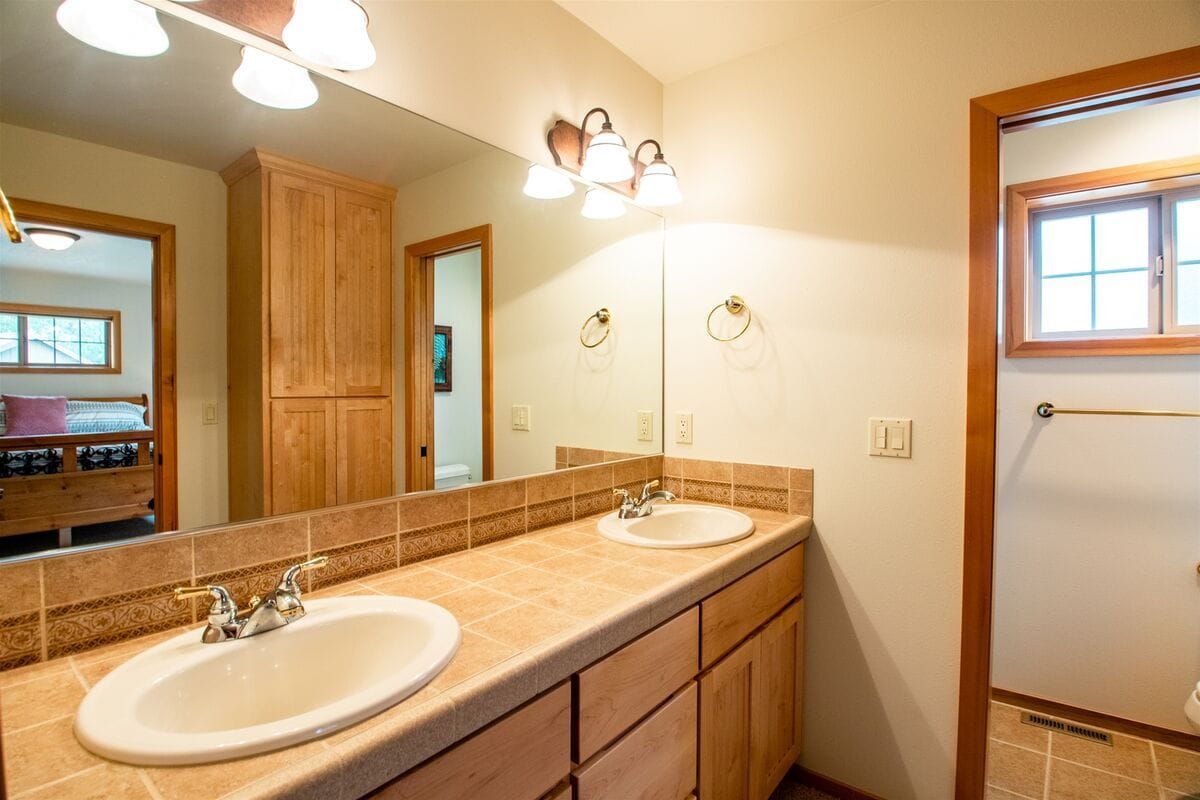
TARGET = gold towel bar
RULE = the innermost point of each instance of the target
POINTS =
(734, 305)
(602, 317)
(1047, 410)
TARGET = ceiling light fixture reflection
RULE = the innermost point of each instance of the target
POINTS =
(606, 159)
(273, 81)
(124, 27)
(544, 183)
(602, 204)
(51, 239)
(332, 33)
(658, 186)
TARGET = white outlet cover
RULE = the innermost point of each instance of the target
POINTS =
(683, 428)
(645, 426)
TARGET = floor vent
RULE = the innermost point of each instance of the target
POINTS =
(1069, 728)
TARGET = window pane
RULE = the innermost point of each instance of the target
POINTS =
(1122, 301)
(66, 328)
(1187, 230)
(8, 326)
(41, 351)
(1187, 295)
(1066, 304)
(92, 330)
(1122, 239)
(94, 354)
(66, 353)
(1066, 245)
(40, 327)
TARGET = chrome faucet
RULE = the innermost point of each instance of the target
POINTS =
(281, 607)
(633, 509)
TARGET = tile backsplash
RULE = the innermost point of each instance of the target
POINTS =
(76, 601)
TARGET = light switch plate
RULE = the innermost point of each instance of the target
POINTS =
(210, 414)
(645, 426)
(889, 437)
(683, 428)
(521, 418)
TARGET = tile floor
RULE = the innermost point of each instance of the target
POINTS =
(1028, 763)
(790, 790)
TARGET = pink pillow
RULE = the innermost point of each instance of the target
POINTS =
(34, 416)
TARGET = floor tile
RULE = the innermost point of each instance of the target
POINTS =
(1074, 782)
(1178, 769)
(1015, 769)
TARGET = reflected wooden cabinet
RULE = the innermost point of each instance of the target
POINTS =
(309, 336)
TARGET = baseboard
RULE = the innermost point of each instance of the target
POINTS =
(1097, 719)
(829, 786)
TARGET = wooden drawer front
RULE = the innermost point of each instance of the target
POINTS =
(618, 691)
(521, 757)
(736, 611)
(654, 761)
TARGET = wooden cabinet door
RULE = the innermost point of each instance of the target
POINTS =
(364, 449)
(363, 328)
(301, 278)
(730, 766)
(778, 727)
(303, 437)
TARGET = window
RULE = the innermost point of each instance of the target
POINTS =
(53, 339)
(1105, 263)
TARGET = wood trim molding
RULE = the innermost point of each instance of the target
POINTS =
(1080, 94)
(842, 791)
(162, 289)
(257, 157)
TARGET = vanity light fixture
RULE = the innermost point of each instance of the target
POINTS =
(273, 81)
(657, 186)
(124, 27)
(544, 183)
(606, 159)
(51, 239)
(332, 33)
(602, 204)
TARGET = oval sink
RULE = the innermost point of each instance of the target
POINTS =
(679, 526)
(186, 702)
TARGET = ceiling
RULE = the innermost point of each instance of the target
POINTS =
(95, 255)
(672, 39)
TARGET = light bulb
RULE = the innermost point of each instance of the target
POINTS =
(607, 158)
(124, 27)
(332, 33)
(544, 183)
(602, 204)
(273, 81)
(51, 239)
(658, 186)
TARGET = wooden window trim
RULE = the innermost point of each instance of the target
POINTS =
(113, 317)
(1158, 177)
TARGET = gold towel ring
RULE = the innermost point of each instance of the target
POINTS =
(734, 305)
(603, 317)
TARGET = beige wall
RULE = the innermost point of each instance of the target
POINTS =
(826, 181)
(54, 169)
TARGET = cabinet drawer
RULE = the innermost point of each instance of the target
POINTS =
(736, 611)
(618, 691)
(521, 757)
(564, 792)
(654, 761)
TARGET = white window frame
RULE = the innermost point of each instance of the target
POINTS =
(1170, 278)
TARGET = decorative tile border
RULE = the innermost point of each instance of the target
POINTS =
(360, 540)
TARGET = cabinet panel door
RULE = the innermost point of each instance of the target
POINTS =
(779, 726)
(301, 279)
(363, 330)
(364, 449)
(303, 436)
(730, 767)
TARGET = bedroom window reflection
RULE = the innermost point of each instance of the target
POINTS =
(55, 339)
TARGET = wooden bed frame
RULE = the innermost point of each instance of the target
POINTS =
(73, 496)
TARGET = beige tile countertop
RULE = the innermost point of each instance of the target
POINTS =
(534, 609)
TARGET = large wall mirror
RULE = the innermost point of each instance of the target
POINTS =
(224, 311)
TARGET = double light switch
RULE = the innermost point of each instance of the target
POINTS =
(890, 437)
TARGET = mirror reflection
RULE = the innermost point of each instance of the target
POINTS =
(222, 310)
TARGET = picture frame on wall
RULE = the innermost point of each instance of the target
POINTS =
(442, 358)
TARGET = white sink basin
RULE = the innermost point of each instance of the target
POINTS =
(186, 702)
(678, 526)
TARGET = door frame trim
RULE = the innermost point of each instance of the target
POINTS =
(418, 349)
(1070, 97)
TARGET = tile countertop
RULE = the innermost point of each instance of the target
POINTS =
(534, 609)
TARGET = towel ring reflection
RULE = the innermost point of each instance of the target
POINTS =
(602, 317)
(734, 305)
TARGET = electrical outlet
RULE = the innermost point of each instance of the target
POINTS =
(210, 413)
(521, 418)
(645, 426)
(889, 437)
(683, 428)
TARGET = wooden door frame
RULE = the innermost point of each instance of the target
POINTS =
(1074, 96)
(418, 349)
(162, 300)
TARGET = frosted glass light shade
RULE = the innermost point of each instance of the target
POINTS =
(273, 82)
(602, 204)
(330, 32)
(607, 158)
(124, 27)
(658, 186)
(50, 239)
(547, 184)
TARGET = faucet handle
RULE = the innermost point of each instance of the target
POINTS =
(627, 498)
(223, 608)
(651, 485)
(288, 582)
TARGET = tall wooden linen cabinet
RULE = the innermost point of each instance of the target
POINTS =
(310, 336)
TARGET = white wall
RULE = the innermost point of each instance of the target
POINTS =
(458, 414)
(54, 169)
(1098, 518)
(826, 181)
